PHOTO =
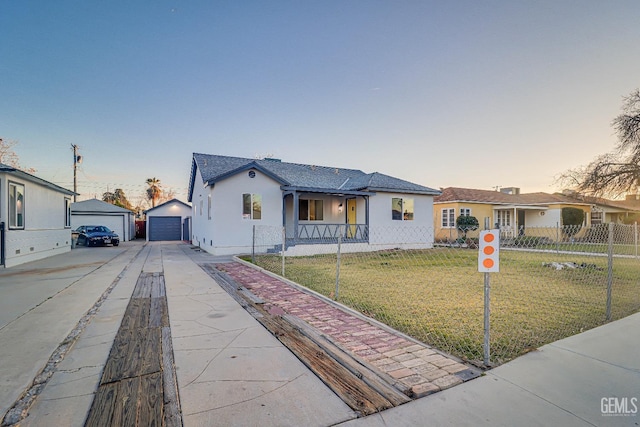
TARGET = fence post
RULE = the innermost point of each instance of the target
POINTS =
(557, 238)
(253, 246)
(284, 247)
(635, 237)
(338, 263)
(609, 271)
(487, 310)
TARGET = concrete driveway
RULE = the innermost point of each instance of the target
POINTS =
(41, 303)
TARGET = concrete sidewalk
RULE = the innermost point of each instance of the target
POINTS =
(231, 371)
(577, 381)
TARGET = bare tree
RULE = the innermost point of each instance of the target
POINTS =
(9, 157)
(617, 172)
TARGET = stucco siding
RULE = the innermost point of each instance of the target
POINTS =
(228, 232)
(30, 245)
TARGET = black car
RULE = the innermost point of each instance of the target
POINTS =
(94, 235)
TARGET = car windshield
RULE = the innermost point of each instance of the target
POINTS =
(98, 229)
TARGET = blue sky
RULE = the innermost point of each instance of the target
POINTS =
(472, 94)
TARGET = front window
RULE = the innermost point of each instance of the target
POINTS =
(401, 209)
(67, 213)
(310, 210)
(504, 218)
(465, 212)
(448, 218)
(596, 217)
(16, 205)
(251, 206)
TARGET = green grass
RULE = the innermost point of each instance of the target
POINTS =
(436, 295)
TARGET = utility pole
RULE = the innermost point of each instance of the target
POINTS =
(76, 159)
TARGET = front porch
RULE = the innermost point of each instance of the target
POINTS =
(315, 216)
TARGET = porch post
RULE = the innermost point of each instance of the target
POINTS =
(295, 215)
(366, 214)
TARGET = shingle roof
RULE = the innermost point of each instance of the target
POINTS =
(215, 168)
(33, 178)
(454, 194)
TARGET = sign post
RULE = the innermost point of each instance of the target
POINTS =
(488, 262)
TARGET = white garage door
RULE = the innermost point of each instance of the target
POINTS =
(165, 228)
(114, 222)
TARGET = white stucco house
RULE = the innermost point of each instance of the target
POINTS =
(315, 205)
(169, 221)
(98, 212)
(35, 217)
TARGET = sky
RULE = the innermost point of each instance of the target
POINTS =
(476, 94)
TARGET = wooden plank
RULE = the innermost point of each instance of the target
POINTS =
(102, 408)
(354, 392)
(150, 352)
(159, 316)
(117, 356)
(385, 386)
(157, 285)
(172, 413)
(151, 406)
(125, 410)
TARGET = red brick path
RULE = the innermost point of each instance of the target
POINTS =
(418, 367)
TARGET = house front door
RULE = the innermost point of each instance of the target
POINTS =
(351, 218)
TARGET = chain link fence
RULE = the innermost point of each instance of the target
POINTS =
(553, 282)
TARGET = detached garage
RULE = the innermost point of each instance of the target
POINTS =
(97, 212)
(169, 221)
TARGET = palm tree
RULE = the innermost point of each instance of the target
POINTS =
(154, 191)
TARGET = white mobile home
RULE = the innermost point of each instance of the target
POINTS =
(35, 217)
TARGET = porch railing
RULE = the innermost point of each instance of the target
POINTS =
(328, 233)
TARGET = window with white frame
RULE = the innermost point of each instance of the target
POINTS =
(16, 205)
(596, 217)
(209, 207)
(310, 210)
(504, 218)
(401, 209)
(251, 206)
(448, 218)
(67, 213)
(465, 212)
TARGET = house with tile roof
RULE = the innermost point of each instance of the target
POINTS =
(509, 210)
(234, 197)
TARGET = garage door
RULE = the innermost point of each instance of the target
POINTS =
(165, 228)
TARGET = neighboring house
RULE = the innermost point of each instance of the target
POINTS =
(604, 211)
(169, 221)
(313, 204)
(35, 217)
(97, 212)
(507, 209)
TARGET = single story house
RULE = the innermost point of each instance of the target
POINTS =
(98, 212)
(233, 198)
(507, 209)
(169, 221)
(604, 211)
(35, 217)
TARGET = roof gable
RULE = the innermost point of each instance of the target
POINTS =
(168, 203)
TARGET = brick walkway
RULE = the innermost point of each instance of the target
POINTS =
(418, 370)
